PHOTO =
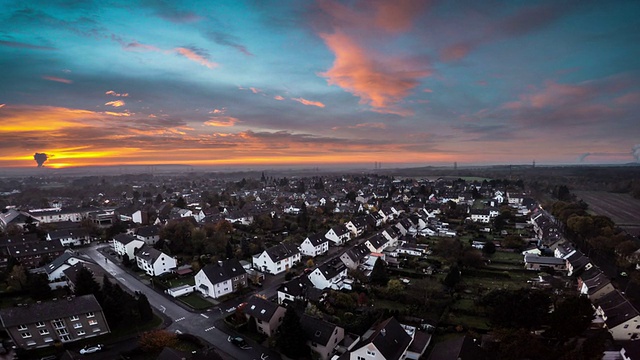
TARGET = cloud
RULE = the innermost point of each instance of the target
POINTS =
(308, 102)
(228, 40)
(136, 46)
(115, 103)
(122, 114)
(218, 111)
(113, 93)
(16, 44)
(2, 105)
(194, 56)
(278, 97)
(255, 90)
(57, 79)
(222, 121)
(379, 126)
(379, 82)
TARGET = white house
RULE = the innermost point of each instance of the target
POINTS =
(357, 226)
(377, 243)
(480, 215)
(266, 314)
(126, 244)
(68, 237)
(314, 245)
(56, 268)
(386, 341)
(277, 259)
(153, 261)
(355, 256)
(338, 235)
(225, 277)
(330, 275)
(322, 336)
(149, 234)
(618, 316)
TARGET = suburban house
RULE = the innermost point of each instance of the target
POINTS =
(338, 234)
(330, 275)
(225, 277)
(577, 262)
(68, 237)
(322, 336)
(69, 258)
(53, 215)
(535, 262)
(71, 273)
(375, 219)
(594, 283)
(480, 215)
(355, 256)
(392, 235)
(44, 323)
(130, 214)
(314, 245)
(35, 253)
(15, 217)
(386, 341)
(376, 243)
(149, 234)
(295, 289)
(267, 315)
(405, 226)
(153, 261)
(618, 315)
(125, 244)
(277, 259)
(357, 226)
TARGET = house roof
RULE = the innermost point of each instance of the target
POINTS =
(148, 253)
(389, 337)
(544, 260)
(331, 269)
(461, 347)
(296, 287)
(95, 269)
(358, 252)
(62, 259)
(282, 251)
(68, 233)
(148, 231)
(223, 271)
(340, 230)
(34, 248)
(377, 241)
(260, 308)
(317, 239)
(616, 308)
(46, 311)
(125, 239)
(317, 330)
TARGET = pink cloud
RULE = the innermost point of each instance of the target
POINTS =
(374, 79)
(113, 93)
(57, 79)
(193, 56)
(308, 102)
(427, 90)
(378, 125)
(374, 15)
(278, 97)
(218, 111)
(116, 103)
(222, 121)
(136, 46)
(628, 99)
(456, 51)
(2, 105)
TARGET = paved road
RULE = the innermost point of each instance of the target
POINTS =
(201, 324)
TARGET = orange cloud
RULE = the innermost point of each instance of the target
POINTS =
(308, 102)
(372, 78)
(278, 97)
(193, 56)
(222, 121)
(2, 105)
(116, 103)
(125, 114)
(113, 93)
(378, 125)
(255, 90)
(57, 79)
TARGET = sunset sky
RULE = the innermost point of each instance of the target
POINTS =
(245, 83)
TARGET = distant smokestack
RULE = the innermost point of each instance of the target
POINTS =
(40, 158)
(636, 152)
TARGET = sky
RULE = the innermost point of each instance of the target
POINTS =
(320, 83)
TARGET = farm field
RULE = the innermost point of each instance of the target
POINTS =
(623, 209)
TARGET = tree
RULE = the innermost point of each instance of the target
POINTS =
(379, 274)
(155, 340)
(17, 279)
(472, 257)
(570, 318)
(291, 340)
(144, 308)
(522, 308)
(453, 277)
(38, 286)
(181, 203)
(85, 283)
(489, 248)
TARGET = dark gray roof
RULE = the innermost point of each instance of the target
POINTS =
(332, 269)
(340, 230)
(68, 233)
(282, 251)
(124, 238)
(148, 231)
(225, 270)
(296, 287)
(377, 241)
(148, 253)
(260, 308)
(617, 308)
(317, 239)
(96, 270)
(317, 330)
(47, 311)
(358, 252)
(389, 337)
(62, 259)
(34, 248)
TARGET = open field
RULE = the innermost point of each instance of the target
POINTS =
(623, 209)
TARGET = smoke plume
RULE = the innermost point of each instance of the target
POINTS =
(636, 152)
(583, 156)
(40, 158)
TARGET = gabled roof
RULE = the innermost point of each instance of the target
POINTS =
(68, 233)
(317, 239)
(34, 248)
(296, 287)
(616, 308)
(63, 259)
(148, 253)
(282, 251)
(358, 252)
(72, 273)
(49, 310)
(377, 241)
(223, 271)
(332, 269)
(148, 231)
(340, 230)
(389, 337)
(260, 308)
(317, 330)
(125, 239)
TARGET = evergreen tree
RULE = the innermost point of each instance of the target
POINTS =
(379, 274)
(85, 283)
(291, 340)
(453, 277)
(38, 286)
(144, 308)
(181, 203)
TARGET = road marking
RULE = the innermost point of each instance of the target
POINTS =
(163, 308)
(209, 329)
(180, 319)
(205, 316)
(121, 279)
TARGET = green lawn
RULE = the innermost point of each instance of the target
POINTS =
(195, 301)
(515, 257)
(182, 281)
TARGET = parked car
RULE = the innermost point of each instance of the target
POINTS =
(90, 349)
(239, 342)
